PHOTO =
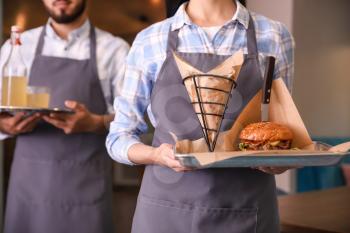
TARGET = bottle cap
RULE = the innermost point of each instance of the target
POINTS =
(15, 28)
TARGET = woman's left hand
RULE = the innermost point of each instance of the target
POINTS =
(274, 170)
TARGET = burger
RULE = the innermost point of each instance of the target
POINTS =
(265, 136)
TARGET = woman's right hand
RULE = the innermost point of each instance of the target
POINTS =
(164, 156)
(17, 124)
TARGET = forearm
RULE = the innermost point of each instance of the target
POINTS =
(101, 123)
(141, 154)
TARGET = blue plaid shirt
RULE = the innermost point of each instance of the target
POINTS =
(148, 53)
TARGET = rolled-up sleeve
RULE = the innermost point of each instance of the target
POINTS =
(130, 105)
(117, 71)
(284, 67)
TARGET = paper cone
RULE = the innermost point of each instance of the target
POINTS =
(210, 92)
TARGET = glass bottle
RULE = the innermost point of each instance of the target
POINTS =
(14, 74)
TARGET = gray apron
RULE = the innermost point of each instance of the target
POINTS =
(62, 183)
(225, 200)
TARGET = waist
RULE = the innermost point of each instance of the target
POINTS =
(49, 143)
(217, 187)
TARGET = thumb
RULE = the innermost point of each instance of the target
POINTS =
(169, 146)
(171, 150)
(74, 105)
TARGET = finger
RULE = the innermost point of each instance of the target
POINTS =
(17, 118)
(273, 170)
(5, 115)
(266, 170)
(181, 169)
(280, 169)
(172, 155)
(25, 122)
(74, 105)
(168, 146)
(30, 127)
(172, 163)
(168, 150)
(58, 116)
(55, 122)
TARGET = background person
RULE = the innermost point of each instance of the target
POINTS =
(61, 178)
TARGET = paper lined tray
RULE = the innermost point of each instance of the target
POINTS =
(322, 155)
(29, 110)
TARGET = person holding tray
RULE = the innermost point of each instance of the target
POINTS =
(61, 177)
(174, 198)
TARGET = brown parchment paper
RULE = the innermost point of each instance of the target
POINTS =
(230, 69)
(282, 110)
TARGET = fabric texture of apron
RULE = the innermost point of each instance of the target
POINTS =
(225, 200)
(62, 183)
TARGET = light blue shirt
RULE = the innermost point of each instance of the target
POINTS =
(148, 53)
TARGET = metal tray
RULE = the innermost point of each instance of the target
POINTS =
(321, 158)
(30, 110)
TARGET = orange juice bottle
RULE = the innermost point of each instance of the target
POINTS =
(14, 74)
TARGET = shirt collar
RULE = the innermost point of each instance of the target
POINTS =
(81, 32)
(181, 17)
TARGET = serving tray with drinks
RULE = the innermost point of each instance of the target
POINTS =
(16, 93)
(18, 97)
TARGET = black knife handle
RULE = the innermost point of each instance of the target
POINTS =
(268, 78)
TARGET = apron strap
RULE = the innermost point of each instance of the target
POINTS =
(252, 45)
(40, 45)
(93, 45)
(93, 53)
(172, 41)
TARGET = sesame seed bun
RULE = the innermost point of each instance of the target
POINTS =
(266, 131)
(265, 136)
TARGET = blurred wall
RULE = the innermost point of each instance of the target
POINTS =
(124, 18)
(322, 75)
(1, 142)
(322, 60)
(274, 9)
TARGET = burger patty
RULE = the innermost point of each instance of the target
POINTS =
(265, 145)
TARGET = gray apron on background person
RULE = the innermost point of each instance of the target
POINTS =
(224, 200)
(62, 183)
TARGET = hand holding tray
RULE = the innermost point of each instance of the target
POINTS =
(321, 155)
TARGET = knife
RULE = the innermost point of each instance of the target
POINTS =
(268, 78)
